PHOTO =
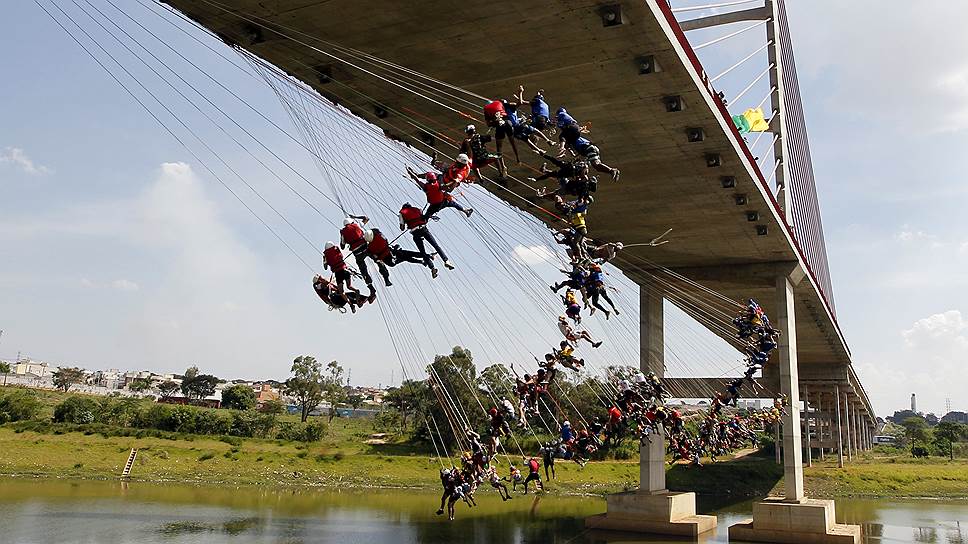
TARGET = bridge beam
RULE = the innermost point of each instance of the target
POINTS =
(652, 508)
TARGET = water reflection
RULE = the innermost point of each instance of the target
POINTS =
(138, 513)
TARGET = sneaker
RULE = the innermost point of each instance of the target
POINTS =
(433, 273)
(371, 298)
(553, 290)
(597, 344)
(592, 312)
(440, 512)
(449, 265)
(606, 314)
(389, 283)
(469, 211)
(616, 312)
(615, 174)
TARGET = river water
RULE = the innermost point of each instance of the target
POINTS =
(57, 512)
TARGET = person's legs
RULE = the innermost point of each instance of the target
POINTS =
(425, 233)
(418, 240)
(384, 272)
(604, 292)
(360, 256)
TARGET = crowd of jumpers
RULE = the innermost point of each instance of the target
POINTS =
(639, 410)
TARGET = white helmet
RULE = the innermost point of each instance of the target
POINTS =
(640, 378)
(470, 128)
(623, 385)
(566, 424)
(619, 245)
(368, 235)
(347, 221)
(463, 158)
(330, 245)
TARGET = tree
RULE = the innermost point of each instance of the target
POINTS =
(916, 430)
(947, 433)
(498, 380)
(168, 389)
(408, 401)
(305, 384)
(453, 380)
(333, 390)
(355, 400)
(4, 369)
(238, 397)
(139, 385)
(65, 377)
(199, 386)
(191, 372)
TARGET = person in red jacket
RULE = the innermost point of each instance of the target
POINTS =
(333, 260)
(458, 172)
(382, 252)
(413, 219)
(534, 474)
(437, 199)
(351, 237)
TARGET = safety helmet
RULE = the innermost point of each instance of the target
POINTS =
(562, 110)
(431, 177)
(463, 158)
(562, 318)
(619, 245)
(347, 221)
(330, 245)
(640, 378)
(368, 235)
(470, 129)
(492, 411)
(566, 424)
(563, 343)
(623, 385)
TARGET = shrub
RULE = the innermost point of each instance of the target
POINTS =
(153, 417)
(181, 420)
(18, 405)
(118, 412)
(76, 409)
(250, 423)
(231, 440)
(312, 431)
(238, 397)
(212, 422)
(206, 456)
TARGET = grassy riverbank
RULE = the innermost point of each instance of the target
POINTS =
(344, 458)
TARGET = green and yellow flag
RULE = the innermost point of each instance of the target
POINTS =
(751, 121)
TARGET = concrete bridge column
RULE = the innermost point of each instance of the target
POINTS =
(652, 508)
(806, 421)
(847, 411)
(794, 518)
(840, 430)
(822, 419)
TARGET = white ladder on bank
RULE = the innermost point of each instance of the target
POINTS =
(127, 466)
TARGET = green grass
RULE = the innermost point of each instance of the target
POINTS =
(343, 459)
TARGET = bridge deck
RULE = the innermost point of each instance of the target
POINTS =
(564, 48)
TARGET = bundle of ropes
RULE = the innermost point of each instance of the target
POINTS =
(365, 175)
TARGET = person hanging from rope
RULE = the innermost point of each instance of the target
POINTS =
(496, 117)
(576, 279)
(540, 112)
(566, 356)
(570, 238)
(333, 260)
(351, 236)
(604, 253)
(452, 176)
(548, 452)
(571, 138)
(522, 128)
(379, 248)
(448, 479)
(475, 146)
(573, 178)
(330, 293)
(564, 119)
(732, 391)
(572, 336)
(613, 427)
(575, 212)
(411, 218)
(595, 287)
(498, 422)
(514, 475)
(572, 308)
(534, 474)
(496, 484)
(437, 199)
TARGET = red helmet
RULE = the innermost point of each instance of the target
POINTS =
(431, 176)
(492, 411)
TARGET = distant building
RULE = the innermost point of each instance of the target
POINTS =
(34, 369)
(914, 403)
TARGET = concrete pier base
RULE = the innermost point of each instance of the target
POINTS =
(810, 521)
(661, 513)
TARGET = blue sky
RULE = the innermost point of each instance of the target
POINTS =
(121, 251)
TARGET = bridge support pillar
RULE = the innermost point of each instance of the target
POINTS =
(652, 508)
(793, 518)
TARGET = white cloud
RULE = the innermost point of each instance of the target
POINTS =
(125, 285)
(533, 254)
(17, 157)
(87, 283)
(944, 328)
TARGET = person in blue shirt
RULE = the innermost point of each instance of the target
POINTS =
(571, 138)
(595, 287)
(522, 129)
(540, 112)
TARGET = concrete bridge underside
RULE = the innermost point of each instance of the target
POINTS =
(593, 69)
